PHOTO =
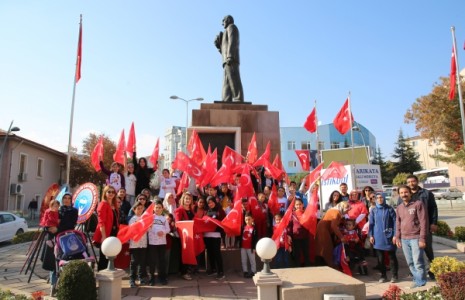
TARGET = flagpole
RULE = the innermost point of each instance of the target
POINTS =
(318, 152)
(68, 158)
(352, 140)
(458, 82)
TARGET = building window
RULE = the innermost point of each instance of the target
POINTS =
(291, 145)
(292, 164)
(305, 145)
(40, 167)
(321, 145)
(22, 163)
(414, 143)
(335, 145)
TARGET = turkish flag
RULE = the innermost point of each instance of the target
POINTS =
(334, 170)
(279, 164)
(304, 157)
(222, 176)
(256, 209)
(344, 264)
(231, 157)
(314, 175)
(233, 221)
(131, 145)
(136, 230)
(309, 217)
(252, 151)
(343, 120)
(186, 234)
(245, 188)
(184, 163)
(96, 154)
(275, 172)
(120, 154)
(453, 76)
(77, 76)
(209, 167)
(310, 123)
(154, 157)
(204, 224)
(273, 205)
(183, 183)
(283, 225)
(265, 156)
(195, 148)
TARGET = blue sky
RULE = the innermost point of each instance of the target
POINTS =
(136, 54)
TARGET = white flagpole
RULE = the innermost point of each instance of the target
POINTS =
(68, 158)
(458, 82)
(318, 153)
(352, 140)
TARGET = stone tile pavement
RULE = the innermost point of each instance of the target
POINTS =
(234, 286)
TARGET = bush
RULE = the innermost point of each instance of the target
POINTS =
(443, 229)
(25, 237)
(77, 282)
(446, 264)
(8, 295)
(451, 285)
(460, 233)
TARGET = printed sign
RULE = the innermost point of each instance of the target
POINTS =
(85, 199)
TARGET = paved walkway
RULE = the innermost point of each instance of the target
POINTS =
(234, 286)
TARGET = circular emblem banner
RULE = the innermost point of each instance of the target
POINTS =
(85, 199)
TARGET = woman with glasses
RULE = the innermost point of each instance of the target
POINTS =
(368, 196)
(107, 221)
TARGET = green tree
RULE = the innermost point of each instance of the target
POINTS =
(82, 170)
(379, 160)
(438, 119)
(401, 178)
(406, 157)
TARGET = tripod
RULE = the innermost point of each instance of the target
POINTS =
(84, 228)
(33, 254)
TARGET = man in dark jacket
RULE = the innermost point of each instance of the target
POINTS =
(429, 202)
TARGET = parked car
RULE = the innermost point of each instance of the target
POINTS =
(447, 193)
(11, 225)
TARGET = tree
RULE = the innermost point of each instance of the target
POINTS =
(400, 179)
(379, 160)
(438, 119)
(406, 157)
(82, 170)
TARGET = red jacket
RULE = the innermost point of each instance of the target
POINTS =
(105, 219)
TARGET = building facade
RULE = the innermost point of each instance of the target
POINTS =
(298, 138)
(175, 141)
(27, 170)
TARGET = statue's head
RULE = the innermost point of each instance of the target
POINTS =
(228, 20)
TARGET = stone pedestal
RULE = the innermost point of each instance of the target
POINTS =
(267, 286)
(241, 121)
(109, 284)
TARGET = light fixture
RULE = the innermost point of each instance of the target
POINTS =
(266, 250)
(111, 246)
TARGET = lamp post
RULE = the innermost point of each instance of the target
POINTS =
(356, 127)
(174, 97)
(111, 246)
(10, 129)
(266, 281)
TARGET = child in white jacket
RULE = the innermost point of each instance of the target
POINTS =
(157, 245)
(137, 249)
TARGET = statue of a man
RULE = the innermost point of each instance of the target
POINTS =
(227, 43)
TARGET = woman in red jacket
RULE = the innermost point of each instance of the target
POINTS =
(107, 221)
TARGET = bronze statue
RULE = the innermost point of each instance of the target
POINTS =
(227, 43)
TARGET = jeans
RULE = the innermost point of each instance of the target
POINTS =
(416, 263)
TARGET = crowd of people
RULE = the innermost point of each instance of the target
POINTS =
(362, 223)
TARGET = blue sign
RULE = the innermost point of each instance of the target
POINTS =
(85, 199)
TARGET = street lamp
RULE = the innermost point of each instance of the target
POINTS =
(10, 129)
(187, 112)
(356, 127)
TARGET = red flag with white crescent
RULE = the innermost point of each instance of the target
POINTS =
(120, 154)
(195, 148)
(304, 157)
(334, 170)
(154, 157)
(252, 152)
(136, 230)
(186, 234)
(131, 145)
(97, 154)
(344, 118)
(273, 205)
(231, 157)
(314, 175)
(283, 225)
(310, 123)
(265, 156)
